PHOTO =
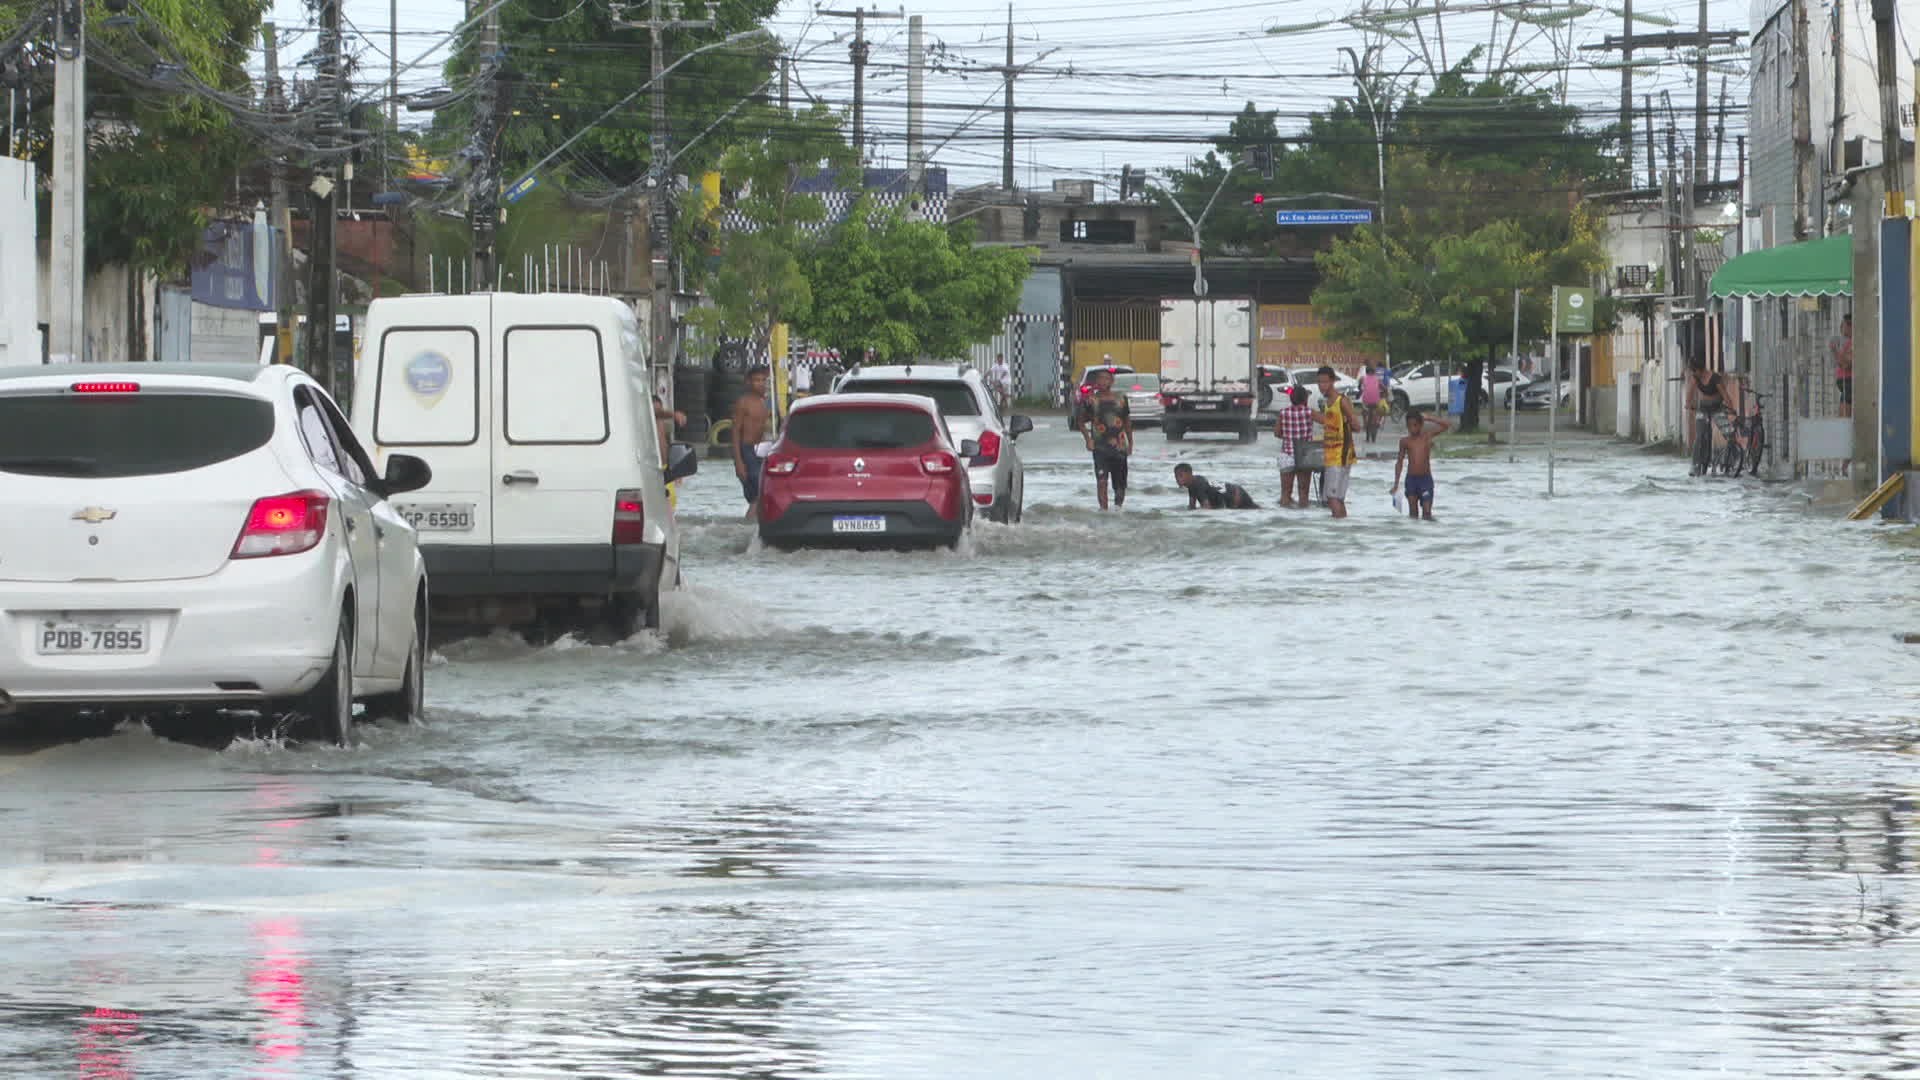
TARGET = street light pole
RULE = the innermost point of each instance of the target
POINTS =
(1195, 224)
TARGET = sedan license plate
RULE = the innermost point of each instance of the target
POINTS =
(119, 637)
(859, 524)
(438, 517)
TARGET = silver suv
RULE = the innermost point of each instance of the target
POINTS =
(998, 479)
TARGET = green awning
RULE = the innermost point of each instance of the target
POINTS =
(1821, 267)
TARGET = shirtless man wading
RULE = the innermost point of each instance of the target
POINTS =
(749, 428)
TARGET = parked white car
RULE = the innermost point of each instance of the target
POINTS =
(548, 511)
(1142, 391)
(999, 479)
(202, 535)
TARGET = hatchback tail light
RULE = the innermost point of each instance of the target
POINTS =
(989, 448)
(629, 517)
(105, 387)
(283, 525)
(939, 462)
(782, 464)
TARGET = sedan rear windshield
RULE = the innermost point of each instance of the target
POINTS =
(138, 434)
(954, 398)
(864, 428)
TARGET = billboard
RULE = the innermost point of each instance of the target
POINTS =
(1295, 336)
(235, 268)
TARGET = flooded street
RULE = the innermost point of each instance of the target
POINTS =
(1619, 784)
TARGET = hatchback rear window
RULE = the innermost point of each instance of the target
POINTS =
(863, 428)
(954, 398)
(140, 434)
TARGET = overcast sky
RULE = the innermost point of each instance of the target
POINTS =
(1140, 82)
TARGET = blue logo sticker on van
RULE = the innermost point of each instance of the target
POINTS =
(428, 374)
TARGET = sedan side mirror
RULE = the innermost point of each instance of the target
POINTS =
(405, 473)
(682, 462)
(970, 449)
(1019, 425)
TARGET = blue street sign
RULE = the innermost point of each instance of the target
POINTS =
(1323, 217)
(521, 187)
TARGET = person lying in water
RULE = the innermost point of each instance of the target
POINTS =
(1203, 495)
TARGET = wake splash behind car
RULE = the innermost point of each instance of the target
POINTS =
(866, 470)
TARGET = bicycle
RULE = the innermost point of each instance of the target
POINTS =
(1746, 437)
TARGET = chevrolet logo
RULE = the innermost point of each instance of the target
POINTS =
(94, 515)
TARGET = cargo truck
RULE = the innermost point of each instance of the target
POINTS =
(1207, 367)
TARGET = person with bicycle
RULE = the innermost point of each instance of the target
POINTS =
(1372, 402)
(1706, 400)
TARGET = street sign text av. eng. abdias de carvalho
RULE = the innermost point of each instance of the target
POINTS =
(1323, 217)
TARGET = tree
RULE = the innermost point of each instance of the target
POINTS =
(750, 252)
(570, 61)
(904, 290)
(162, 143)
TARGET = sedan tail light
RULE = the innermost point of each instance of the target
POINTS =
(939, 462)
(782, 464)
(983, 500)
(283, 525)
(629, 517)
(989, 448)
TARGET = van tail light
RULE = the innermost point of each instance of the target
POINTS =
(782, 464)
(1243, 399)
(1169, 400)
(629, 517)
(989, 448)
(283, 525)
(939, 462)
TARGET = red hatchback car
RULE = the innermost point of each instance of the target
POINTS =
(866, 470)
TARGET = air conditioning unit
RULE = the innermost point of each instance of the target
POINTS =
(1081, 190)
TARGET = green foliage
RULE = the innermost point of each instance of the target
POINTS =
(755, 276)
(156, 161)
(903, 290)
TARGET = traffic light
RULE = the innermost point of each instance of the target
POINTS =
(1262, 158)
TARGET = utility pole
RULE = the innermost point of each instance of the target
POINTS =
(1626, 87)
(858, 52)
(1653, 159)
(786, 99)
(281, 217)
(483, 201)
(1006, 137)
(67, 330)
(323, 282)
(660, 326)
(1720, 132)
(1700, 100)
(916, 105)
(1803, 182)
(1884, 54)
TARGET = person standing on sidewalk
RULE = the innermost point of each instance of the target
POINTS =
(1107, 425)
(1842, 348)
(1000, 382)
(1294, 426)
(1337, 424)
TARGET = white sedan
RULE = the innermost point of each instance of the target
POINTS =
(202, 536)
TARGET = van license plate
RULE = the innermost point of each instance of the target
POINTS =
(859, 524)
(119, 637)
(438, 517)
(1206, 404)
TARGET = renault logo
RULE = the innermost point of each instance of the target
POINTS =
(859, 464)
(94, 515)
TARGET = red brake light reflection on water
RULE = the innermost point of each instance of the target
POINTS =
(102, 387)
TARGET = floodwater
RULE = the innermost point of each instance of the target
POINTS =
(1620, 784)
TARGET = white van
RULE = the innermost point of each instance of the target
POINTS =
(548, 508)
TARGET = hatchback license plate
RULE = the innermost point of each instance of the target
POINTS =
(859, 524)
(438, 517)
(119, 637)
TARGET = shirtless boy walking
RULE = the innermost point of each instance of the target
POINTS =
(1416, 454)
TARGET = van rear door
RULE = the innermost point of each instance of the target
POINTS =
(554, 451)
(431, 395)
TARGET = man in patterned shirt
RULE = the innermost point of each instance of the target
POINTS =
(1107, 424)
(1295, 429)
